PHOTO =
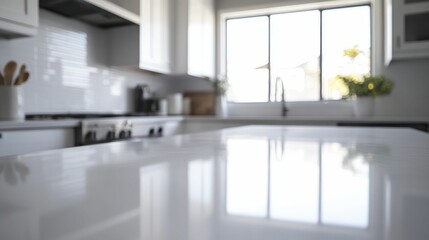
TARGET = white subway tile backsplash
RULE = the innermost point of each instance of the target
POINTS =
(68, 71)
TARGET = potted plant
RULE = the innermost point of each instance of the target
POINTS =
(221, 85)
(365, 89)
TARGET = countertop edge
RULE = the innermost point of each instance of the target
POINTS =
(246, 120)
(305, 119)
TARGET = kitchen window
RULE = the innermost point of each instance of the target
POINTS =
(305, 50)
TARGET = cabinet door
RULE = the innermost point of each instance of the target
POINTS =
(201, 38)
(26, 141)
(155, 27)
(411, 28)
(20, 11)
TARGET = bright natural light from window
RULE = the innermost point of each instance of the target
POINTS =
(344, 33)
(294, 181)
(307, 182)
(295, 54)
(351, 207)
(247, 49)
(306, 50)
(247, 175)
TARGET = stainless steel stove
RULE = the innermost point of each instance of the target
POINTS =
(93, 131)
(102, 128)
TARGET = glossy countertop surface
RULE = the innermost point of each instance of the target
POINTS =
(256, 182)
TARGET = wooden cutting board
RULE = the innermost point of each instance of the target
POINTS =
(202, 102)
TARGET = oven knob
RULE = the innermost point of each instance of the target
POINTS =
(129, 134)
(151, 132)
(124, 134)
(160, 131)
(110, 135)
(90, 137)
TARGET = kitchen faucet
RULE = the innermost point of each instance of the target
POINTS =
(284, 108)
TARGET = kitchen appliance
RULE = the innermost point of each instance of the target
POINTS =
(102, 128)
(145, 103)
(97, 13)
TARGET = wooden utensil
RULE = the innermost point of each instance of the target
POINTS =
(9, 71)
(20, 78)
(26, 77)
(1, 79)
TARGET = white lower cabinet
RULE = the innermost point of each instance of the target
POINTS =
(18, 18)
(26, 141)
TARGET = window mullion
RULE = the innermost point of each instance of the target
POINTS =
(321, 56)
(269, 58)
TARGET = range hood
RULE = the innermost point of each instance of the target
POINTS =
(100, 13)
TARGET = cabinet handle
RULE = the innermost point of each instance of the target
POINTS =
(1, 136)
(398, 42)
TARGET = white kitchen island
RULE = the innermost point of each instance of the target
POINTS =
(255, 182)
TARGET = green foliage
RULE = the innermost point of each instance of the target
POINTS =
(352, 52)
(221, 85)
(367, 85)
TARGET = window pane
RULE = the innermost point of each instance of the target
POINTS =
(346, 43)
(295, 50)
(247, 50)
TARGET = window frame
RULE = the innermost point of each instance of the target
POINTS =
(296, 9)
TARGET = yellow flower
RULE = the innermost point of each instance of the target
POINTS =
(370, 86)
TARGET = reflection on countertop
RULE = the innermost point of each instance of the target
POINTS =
(259, 182)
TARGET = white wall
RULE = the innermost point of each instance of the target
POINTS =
(409, 97)
(67, 62)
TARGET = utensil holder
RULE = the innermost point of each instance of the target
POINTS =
(11, 103)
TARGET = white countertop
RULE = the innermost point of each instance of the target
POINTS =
(245, 120)
(257, 182)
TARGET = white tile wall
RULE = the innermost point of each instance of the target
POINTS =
(67, 62)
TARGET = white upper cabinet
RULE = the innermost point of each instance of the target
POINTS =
(178, 37)
(201, 38)
(18, 18)
(155, 32)
(407, 29)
